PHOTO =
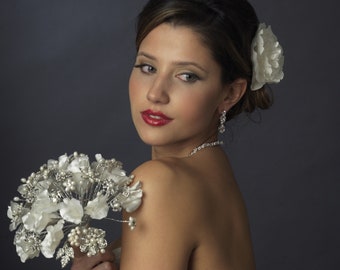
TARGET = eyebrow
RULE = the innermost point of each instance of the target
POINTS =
(177, 63)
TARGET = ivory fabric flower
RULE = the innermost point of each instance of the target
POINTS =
(52, 240)
(267, 58)
(62, 198)
(97, 208)
(15, 212)
(133, 198)
(71, 210)
(27, 244)
(62, 162)
(43, 211)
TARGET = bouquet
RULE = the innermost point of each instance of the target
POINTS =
(58, 202)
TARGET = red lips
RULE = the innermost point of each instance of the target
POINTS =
(156, 119)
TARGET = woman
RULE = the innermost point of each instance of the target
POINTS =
(193, 72)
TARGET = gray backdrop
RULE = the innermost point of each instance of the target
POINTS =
(64, 68)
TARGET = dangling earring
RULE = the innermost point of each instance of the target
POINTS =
(223, 118)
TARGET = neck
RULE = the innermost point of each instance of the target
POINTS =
(184, 148)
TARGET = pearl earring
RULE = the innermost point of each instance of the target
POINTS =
(223, 118)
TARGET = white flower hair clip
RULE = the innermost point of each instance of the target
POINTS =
(267, 58)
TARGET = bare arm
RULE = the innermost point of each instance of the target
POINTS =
(162, 238)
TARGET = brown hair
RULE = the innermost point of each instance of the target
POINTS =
(227, 27)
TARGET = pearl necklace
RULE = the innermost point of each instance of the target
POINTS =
(204, 145)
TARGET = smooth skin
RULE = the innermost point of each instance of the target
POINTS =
(193, 215)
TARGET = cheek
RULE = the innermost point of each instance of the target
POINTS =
(135, 89)
(198, 109)
(132, 85)
(139, 85)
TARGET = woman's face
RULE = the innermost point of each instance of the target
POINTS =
(175, 89)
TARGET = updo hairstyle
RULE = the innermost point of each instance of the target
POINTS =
(226, 27)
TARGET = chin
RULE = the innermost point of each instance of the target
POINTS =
(153, 137)
(151, 140)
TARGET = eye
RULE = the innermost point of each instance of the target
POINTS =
(145, 68)
(188, 77)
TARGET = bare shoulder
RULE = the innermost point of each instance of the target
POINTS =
(163, 220)
(181, 184)
(192, 210)
(151, 170)
(167, 182)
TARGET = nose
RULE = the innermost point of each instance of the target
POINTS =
(158, 92)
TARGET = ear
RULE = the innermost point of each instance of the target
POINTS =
(232, 94)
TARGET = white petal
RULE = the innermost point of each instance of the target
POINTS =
(52, 239)
(97, 208)
(71, 210)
